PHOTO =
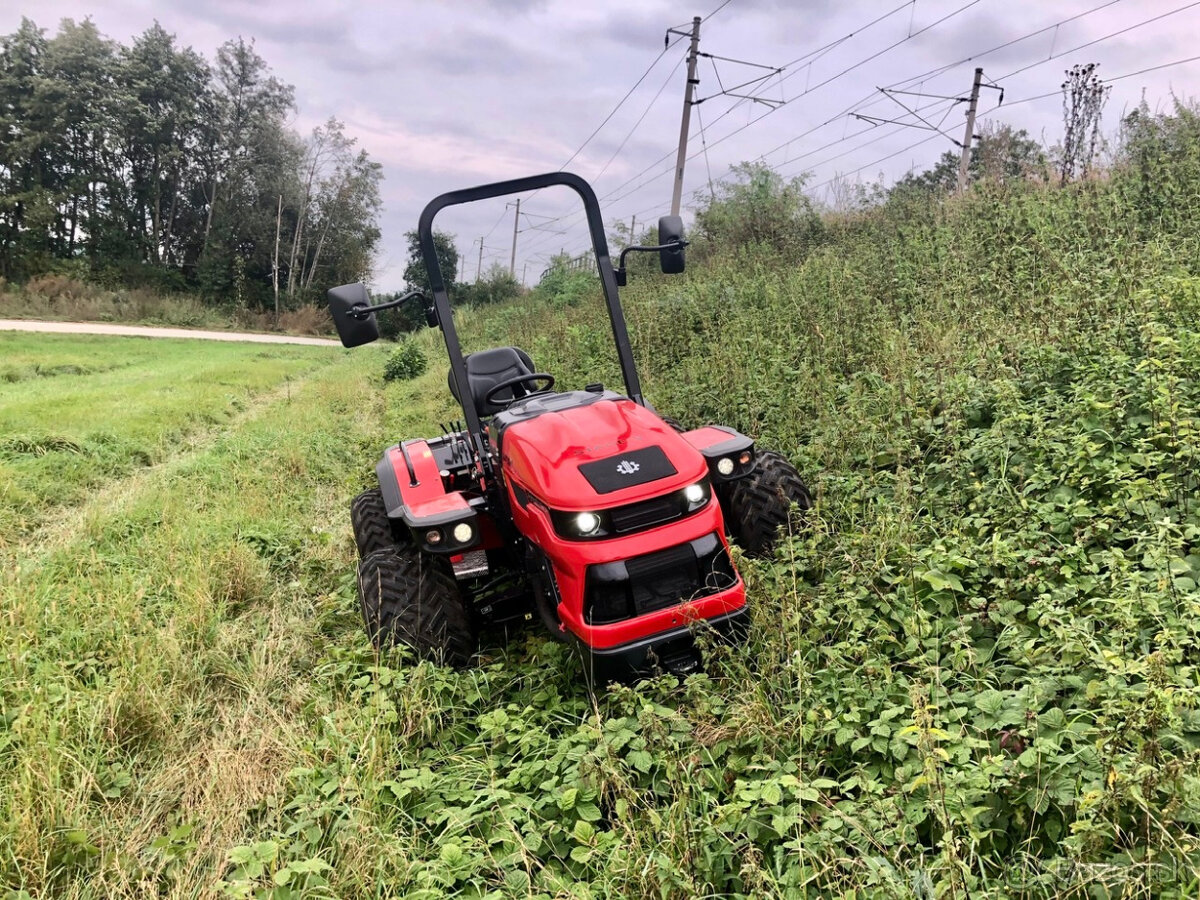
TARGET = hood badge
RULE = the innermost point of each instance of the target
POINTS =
(627, 467)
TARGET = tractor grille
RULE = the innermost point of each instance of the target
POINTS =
(647, 514)
(623, 590)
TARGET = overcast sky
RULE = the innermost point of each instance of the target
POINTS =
(453, 94)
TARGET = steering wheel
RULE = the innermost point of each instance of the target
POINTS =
(490, 397)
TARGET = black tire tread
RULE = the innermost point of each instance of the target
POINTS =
(372, 527)
(410, 597)
(757, 506)
(673, 422)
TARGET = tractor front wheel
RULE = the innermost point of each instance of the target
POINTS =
(410, 597)
(372, 527)
(757, 506)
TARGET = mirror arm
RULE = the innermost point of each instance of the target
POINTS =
(361, 312)
(621, 273)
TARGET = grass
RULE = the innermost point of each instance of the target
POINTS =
(76, 412)
(972, 670)
(59, 297)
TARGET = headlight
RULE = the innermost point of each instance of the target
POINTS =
(580, 525)
(725, 465)
(587, 523)
(463, 532)
(696, 495)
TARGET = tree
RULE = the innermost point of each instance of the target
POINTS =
(415, 274)
(163, 94)
(145, 164)
(248, 151)
(27, 210)
(1001, 154)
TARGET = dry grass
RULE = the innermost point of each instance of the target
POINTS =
(63, 298)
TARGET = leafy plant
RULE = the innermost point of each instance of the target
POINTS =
(405, 362)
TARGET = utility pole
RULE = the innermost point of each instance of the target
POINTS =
(512, 265)
(968, 140)
(692, 81)
(633, 231)
(964, 162)
(479, 265)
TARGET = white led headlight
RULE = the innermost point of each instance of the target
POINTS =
(587, 523)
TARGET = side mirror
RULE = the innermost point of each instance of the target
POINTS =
(670, 231)
(345, 305)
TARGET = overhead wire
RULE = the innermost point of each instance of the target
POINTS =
(939, 70)
(1054, 56)
(802, 57)
(717, 10)
(932, 73)
(620, 102)
(1058, 93)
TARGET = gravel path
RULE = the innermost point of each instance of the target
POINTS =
(145, 331)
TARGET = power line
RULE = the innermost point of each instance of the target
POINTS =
(1099, 40)
(905, 82)
(785, 66)
(940, 70)
(641, 118)
(1058, 93)
(717, 10)
(876, 162)
(931, 73)
(847, 70)
(1037, 97)
(620, 102)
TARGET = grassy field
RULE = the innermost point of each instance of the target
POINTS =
(76, 413)
(972, 669)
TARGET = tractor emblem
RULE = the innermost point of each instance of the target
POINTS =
(627, 467)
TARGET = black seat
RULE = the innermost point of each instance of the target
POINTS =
(486, 369)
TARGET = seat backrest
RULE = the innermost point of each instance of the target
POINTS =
(486, 369)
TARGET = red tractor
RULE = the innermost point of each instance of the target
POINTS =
(584, 507)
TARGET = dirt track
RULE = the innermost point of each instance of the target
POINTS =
(145, 331)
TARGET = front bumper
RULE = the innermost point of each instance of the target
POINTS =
(674, 651)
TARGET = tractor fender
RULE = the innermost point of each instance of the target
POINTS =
(717, 442)
(415, 495)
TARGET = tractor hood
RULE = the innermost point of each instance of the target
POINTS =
(600, 454)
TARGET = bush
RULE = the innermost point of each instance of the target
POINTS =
(406, 361)
(759, 208)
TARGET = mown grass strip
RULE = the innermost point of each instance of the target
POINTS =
(133, 403)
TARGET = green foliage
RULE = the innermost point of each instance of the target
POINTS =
(972, 672)
(1001, 154)
(147, 166)
(759, 208)
(496, 286)
(564, 286)
(416, 275)
(405, 362)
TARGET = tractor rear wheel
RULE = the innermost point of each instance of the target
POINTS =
(756, 506)
(410, 597)
(372, 527)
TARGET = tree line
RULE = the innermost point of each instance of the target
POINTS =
(150, 165)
